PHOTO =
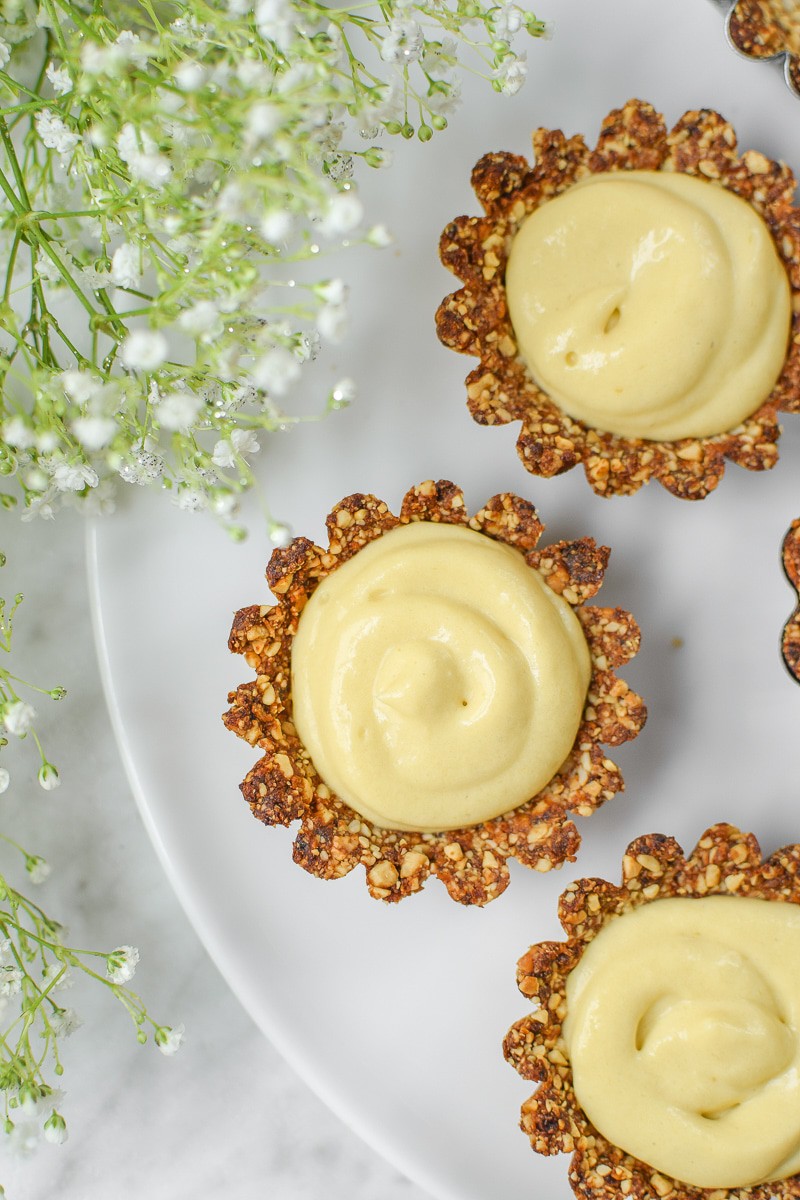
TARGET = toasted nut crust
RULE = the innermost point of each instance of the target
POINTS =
(791, 631)
(475, 320)
(724, 862)
(284, 786)
(767, 29)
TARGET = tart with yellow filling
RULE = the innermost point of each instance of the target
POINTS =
(433, 694)
(665, 1032)
(633, 306)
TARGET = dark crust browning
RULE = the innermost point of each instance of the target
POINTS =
(764, 29)
(283, 786)
(475, 320)
(791, 632)
(725, 862)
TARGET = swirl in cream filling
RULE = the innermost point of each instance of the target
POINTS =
(437, 680)
(650, 304)
(682, 1030)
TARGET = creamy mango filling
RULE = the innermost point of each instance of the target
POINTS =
(683, 1030)
(437, 680)
(650, 304)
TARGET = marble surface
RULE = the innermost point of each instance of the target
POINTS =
(226, 1115)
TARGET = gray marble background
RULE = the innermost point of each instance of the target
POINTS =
(226, 1115)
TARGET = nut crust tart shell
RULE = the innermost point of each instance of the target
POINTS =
(725, 862)
(284, 787)
(791, 632)
(766, 29)
(475, 319)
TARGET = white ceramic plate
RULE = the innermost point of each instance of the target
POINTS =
(395, 1015)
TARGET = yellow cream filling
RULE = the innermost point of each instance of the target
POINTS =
(650, 304)
(437, 680)
(683, 1030)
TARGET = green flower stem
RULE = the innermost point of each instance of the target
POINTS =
(12, 259)
(11, 195)
(72, 12)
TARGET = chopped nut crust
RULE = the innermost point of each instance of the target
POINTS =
(475, 320)
(791, 631)
(284, 786)
(767, 29)
(724, 862)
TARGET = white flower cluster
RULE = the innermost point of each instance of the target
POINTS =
(195, 156)
(121, 964)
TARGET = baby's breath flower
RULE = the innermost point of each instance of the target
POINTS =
(274, 22)
(56, 976)
(54, 133)
(189, 76)
(276, 226)
(35, 481)
(241, 443)
(39, 506)
(169, 1040)
(224, 505)
(10, 981)
(403, 43)
(132, 49)
(59, 78)
(510, 75)
(5, 779)
(343, 213)
(332, 322)
(126, 266)
(145, 466)
(276, 370)
(379, 236)
(440, 58)
(245, 441)
(37, 868)
(98, 59)
(191, 499)
(444, 99)
(332, 291)
(18, 433)
(18, 717)
(506, 19)
(144, 350)
(81, 386)
(121, 964)
(94, 432)
(49, 778)
(263, 120)
(65, 1021)
(139, 150)
(73, 476)
(55, 1129)
(343, 393)
(178, 410)
(203, 318)
(280, 535)
(46, 440)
